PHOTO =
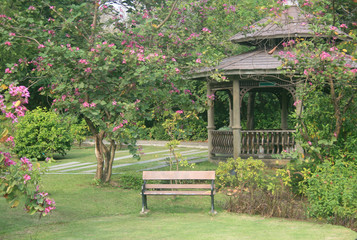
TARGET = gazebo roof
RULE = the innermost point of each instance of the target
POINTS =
(291, 23)
(254, 62)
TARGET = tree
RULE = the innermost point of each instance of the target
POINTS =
(113, 79)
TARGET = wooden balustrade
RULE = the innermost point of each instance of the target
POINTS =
(261, 143)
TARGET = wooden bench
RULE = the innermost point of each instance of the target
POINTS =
(191, 189)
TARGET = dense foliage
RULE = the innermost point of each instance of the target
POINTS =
(41, 133)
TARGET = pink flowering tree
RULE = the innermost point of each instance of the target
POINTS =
(19, 178)
(324, 69)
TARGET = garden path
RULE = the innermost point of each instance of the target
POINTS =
(90, 168)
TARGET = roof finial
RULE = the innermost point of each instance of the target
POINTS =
(291, 3)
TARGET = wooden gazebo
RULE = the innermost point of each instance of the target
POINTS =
(256, 71)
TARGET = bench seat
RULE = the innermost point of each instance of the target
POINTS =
(172, 189)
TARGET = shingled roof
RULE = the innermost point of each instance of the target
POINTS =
(255, 62)
(291, 23)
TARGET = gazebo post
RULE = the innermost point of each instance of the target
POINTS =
(284, 110)
(237, 128)
(210, 120)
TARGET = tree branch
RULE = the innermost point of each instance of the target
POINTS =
(169, 15)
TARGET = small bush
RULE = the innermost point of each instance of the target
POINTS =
(40, 134)
(332, 192)
(254, 189)
(241, 173)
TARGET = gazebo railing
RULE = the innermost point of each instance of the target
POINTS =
(261, 143)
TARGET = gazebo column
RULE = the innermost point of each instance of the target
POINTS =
(210, 120)
(236, 120)
(284, 110)
(230, 110)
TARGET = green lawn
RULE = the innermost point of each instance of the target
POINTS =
(86, 211)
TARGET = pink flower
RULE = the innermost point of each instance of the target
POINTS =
(161, 34)
(333, 28)
(8, 43)
(7, 70)
(309, 143)
(85, 104)
(324, 55)
(93, 104)
(173, 59)
(118, 127)
(177, 70)
(335, 134)
(52, 7)
(179, 111)
(296, 103)
(26, 177)
(88, 70)
(206, 30)
(343, 26)
(198, 60)
(114, 103)
(41, 46)
(211, 97)
(31, 8)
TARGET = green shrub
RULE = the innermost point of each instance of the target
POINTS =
(332, 190)
(80, 131)
(41, 133)
(241, 173)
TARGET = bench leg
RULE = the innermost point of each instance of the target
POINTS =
(212, 205)
(144, 206)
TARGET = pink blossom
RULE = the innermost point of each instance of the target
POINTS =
(324, 55)
(206, 30)
(111, 45)
(309, 143)
(26, 177)
(177, 70)
(333, 28)
(335, 134)
(173, 59)
(85, 104)
(179, 111)
(41, 46)
(211, 97)
(88, 70)
(52, 7)
(31, 8)
(114, 103)
(7, 70)
(198, 60)
(161, 34)
(8, 43)
(297, 102)
(93, 104)
(354, 70)
(118, 127)
(343, 26)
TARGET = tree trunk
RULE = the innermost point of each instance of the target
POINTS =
(105, 157)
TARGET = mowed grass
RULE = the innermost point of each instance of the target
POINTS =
(87, 211)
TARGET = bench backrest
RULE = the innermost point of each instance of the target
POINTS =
(179, 175)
